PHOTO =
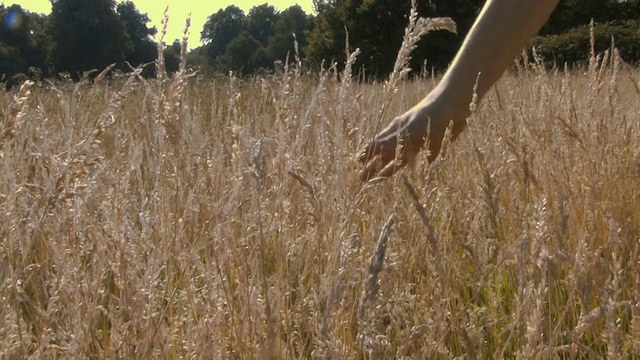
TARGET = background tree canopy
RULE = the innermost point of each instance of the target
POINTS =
(22, 41)
(246, 43)
(376, 28)
(81, 35)
(86, 37)
(143, 49)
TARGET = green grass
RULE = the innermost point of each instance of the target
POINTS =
(225, 219)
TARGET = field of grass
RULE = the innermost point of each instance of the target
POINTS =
(197, 218)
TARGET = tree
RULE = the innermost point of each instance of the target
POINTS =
(37, 55)
(220, 29)
(326, 41)
(197, 59)
(376, 27)
(573, 47)
(242, 43)
(87, 34)
(439, 48)
(292, 21)
(261, 22)
(242, 54)
(21, 45)
(171, 56)
(571, 14)
(566, 37)
(15, 29)
(11, 63)
(144, 50)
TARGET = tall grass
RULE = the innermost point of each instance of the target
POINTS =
(224, 218)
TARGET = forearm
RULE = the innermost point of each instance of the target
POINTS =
(498, 35)
(496, 38)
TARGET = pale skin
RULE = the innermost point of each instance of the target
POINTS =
(496, 38)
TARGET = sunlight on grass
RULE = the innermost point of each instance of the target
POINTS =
(224, 218)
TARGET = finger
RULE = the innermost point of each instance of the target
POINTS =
(394, 127)
(371, 151)
(371, 169)
(391, 168)
(392, 165)
(367, 154)
(384, 148)
(378, 155)
(383, 143)
(384, 165)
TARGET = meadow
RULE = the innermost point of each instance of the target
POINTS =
(223, 218)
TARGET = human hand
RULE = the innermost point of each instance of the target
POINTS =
(394, 147)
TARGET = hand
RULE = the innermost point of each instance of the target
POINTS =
(422, 126)
(394, 147)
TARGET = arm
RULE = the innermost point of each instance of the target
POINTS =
(498, 35)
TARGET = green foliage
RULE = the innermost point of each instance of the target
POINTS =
(566, 35)
(326, 41)
(214, 212)
(242, 54)
(221, 28)
(87, 34)
(197, 58)
(439, 48)
(15, 26)
(78, 35)
(81, 35)
(144, 50)
(261, 22)
(292, 21)
(21, 41)
(376, 27)
(11, 62)
(574, 13)
(574, 46)
(235, 42)
(171, 55)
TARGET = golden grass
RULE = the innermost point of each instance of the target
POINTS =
(191, 217)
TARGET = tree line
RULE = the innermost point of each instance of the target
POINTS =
(80, 35)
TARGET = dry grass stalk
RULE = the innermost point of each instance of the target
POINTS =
(376, 262)
(115, 244)
(366, 318)
(347, 73)
(422, 212)
(415, 30)
(160, 64)
(98, 79)
(169, 112)
(184, 46)
(434, 246)
(16, 112)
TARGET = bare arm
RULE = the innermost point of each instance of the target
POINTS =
(498, 35)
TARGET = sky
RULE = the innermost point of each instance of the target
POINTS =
(178, 12)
